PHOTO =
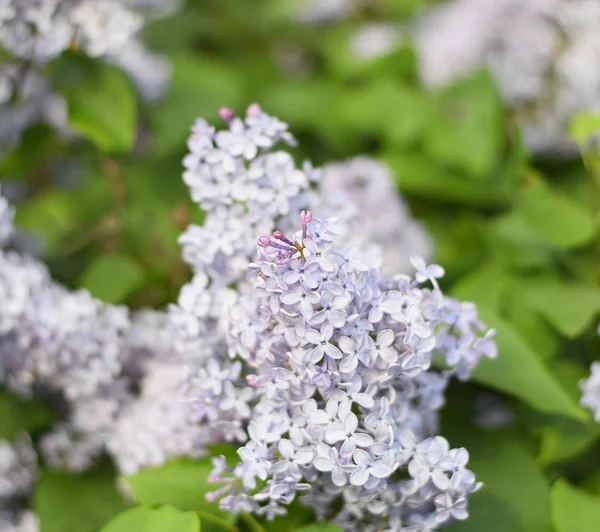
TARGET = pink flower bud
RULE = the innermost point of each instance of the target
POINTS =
(253, 110)
(305, 217)
(210, 497)
(278, 235)
(264, 241)
(226, 114)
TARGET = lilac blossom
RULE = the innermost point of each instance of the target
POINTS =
(346, 420)
(590, 389)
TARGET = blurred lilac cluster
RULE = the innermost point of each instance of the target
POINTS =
(318, 357)
(34, 32)
(540, 52)
(18, 472)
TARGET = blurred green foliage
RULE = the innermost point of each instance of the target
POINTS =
(516, 234)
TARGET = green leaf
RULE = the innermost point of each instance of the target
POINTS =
(48, 216)
(519, 371)
(570, 308)
(18, 414)
(37, 145)
(319, 527)
(76, 503)
(200, 86)
(385, 107)
(583, 127)
(533, 328)
(557, 220)
(565, 438)
(573, 510)
(181, 483)
(112, 278)
(467, 133)
(164, 519)
(101, 102)
(511, 241)
(419, 176)
(483, 286)
(515, 493)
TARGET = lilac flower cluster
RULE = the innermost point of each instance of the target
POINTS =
(18, 472)
(34, 32)
(590, 389)
(338, 360)
(244, 190)
(86, 359)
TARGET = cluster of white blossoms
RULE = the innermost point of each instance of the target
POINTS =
(316, 361)
(370, 185)
(590, 389)
(34, 32)
(542, 54)
(317, 358)
(18, 472)
(339, 396)
(101, 366)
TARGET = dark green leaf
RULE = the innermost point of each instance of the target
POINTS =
(467, 131)
(18, 414)
(529, 324)
(557, 220)
(483, 285)
(565, 438)
(570, 308)
(76, 503)
(515, 493)
(319, 527)
(419, 176)
(181, 483)
(512, 242)
(519, 371)
(164, 519)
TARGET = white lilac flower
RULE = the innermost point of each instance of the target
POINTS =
(539, 52)
(25, 99)
(590, 389)
(374, 40)
(18, 521)
(155, 427)
(7, 214)
(18, 468)
(326, 11)
(370, 185)
(345, 424)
